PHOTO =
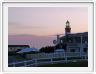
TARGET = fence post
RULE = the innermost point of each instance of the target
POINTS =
(25, 63)
(85, 57)
(35, 62)
(66, 59)
(13, 64)
(51, 61)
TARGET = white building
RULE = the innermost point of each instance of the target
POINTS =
(14, 48)
(76, 42)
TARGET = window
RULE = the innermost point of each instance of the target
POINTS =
(85, 49)
(72, 50)
(78, 50)
(61, 41)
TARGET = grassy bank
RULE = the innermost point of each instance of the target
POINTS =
(70, 64)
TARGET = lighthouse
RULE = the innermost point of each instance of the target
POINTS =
(67, 28)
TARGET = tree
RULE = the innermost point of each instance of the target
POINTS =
(47, 49)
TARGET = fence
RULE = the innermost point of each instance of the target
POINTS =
(48, 55)
(50, 58)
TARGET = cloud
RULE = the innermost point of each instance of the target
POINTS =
(22, 25)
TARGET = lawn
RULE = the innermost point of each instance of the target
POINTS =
(70, 64)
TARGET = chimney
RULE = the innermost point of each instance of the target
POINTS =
(58, 39)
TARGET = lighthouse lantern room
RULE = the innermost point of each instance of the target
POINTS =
(67, 28)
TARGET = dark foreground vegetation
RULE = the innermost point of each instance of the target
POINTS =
(70, 64)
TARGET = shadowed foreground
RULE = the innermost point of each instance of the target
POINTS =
(70, 64)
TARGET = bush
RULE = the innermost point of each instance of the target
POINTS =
(47, 49)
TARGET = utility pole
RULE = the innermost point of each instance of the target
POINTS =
(81, 47)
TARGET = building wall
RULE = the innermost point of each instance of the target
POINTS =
(13, 49)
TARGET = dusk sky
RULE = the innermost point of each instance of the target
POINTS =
(44, 21)
(34, 25)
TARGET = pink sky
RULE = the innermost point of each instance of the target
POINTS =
(44, 21)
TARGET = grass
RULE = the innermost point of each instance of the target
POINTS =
(70, 64)
(19, 58)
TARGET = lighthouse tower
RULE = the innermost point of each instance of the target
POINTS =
(67, 28)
